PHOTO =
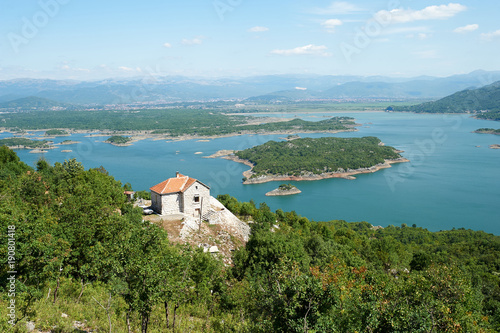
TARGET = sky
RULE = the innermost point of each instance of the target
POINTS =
(92, 40)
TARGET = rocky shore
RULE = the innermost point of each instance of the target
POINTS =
(279, 192)
(349, 174)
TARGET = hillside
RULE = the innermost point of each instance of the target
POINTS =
(485, 100)
(84, 260)
(33, 103)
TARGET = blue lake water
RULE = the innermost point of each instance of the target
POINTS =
(449, 183)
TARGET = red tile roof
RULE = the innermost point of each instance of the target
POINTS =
(174, 185)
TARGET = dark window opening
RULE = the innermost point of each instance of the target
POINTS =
(196, 198)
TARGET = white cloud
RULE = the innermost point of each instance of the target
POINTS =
(311, 49)
(258, 29)
(337, 7)
(429, 13)
(194, 41)
(490, 35)
(331, 24)
(467, 28)
(167, 45)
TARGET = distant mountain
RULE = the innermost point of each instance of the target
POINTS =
(33, 102)
(420, 88)
(284, 96)
(165, 89)
(483, 99)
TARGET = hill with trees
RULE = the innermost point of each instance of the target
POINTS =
(302, 157)
(85, 260)
(31, 103)
(485, 101)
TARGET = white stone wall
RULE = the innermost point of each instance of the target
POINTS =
(155, 202)
(171, 204)
(190, 205)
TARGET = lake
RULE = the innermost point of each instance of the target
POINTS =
(452, 181)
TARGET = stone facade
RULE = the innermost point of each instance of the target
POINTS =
(193, 198)
(181, 194)
(166, 204)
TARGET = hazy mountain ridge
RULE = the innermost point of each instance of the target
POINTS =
(33, 102)
(154, 89)
(418, 88)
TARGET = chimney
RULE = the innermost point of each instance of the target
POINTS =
(177, 174)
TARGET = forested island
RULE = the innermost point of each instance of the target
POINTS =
(488, 131)
(313, 159)
(119, 140)
(172, 123)
(24, 143)
(56, 132)
(86, 261)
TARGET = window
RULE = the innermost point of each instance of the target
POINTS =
(196, 198)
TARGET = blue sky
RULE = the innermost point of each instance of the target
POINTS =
(69, 39)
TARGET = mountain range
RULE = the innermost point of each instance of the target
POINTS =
(270, 88)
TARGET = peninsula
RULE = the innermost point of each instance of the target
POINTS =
(315, 159)
(170, 124)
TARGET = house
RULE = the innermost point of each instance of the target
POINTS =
(180, 195)
(129, 195)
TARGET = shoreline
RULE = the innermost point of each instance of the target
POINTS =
(344, 175)
(147, 135)
(486, 132)
(277, 192)
(227, 155)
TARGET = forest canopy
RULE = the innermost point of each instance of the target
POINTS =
(172, 122)
(83, 250)
(308, 155)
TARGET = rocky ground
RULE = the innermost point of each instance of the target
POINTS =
(220, 231)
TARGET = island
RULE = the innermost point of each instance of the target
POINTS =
(314, 159)
(56, 132)
(488, 131)
(69, 142)
(119, 140)
(284, 189)
(24, 143)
